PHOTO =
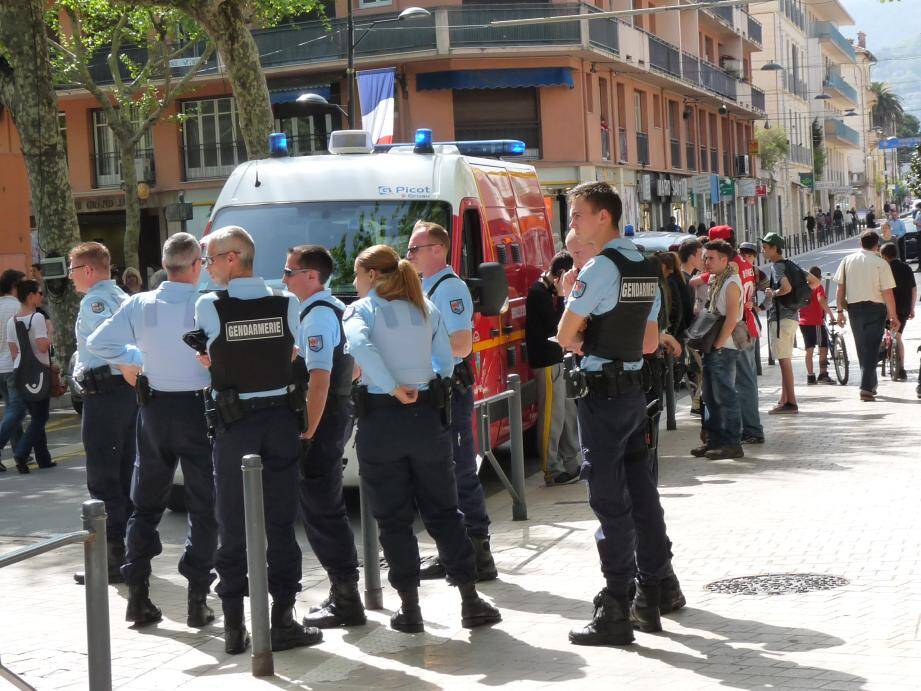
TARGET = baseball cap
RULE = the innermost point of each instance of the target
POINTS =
(748, 247)
(774, 240)
(720, 233)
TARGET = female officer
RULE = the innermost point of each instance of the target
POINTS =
(404, 448)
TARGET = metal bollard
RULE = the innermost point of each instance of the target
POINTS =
(516, 441)
(256, 565)
(758, 357)
(670, 422)
(374, 594)
(95, 562)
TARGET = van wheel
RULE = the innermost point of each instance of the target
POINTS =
(176, 501)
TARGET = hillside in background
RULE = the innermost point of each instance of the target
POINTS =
(900, 66)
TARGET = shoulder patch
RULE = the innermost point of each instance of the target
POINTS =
(457, 306)
(578, 289)
(98, 307)
(315, 343)
(349, 311)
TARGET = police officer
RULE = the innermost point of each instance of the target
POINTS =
(399, 341)
(327, 374)
(109, 406)
(428, 252)
(618, 290)
(250, 342)
(146, 335)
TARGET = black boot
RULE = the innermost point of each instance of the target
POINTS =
(116, 558)
(433, 570)
(475, 611)
(141, 610)
(670, 596)
(610, 624)
(199, 613)
(485, 566)
(286, 632)
(644, 612)
(408, 618)
(344, 608)
(236, 637)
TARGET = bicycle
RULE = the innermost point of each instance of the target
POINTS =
(889, 354)
(838, 353)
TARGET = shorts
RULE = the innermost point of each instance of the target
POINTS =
(903, 319)
(813, 334)
(782, 345)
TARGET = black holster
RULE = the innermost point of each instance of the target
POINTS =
(211, 416)
(463, 377)
(228, 407)
(297, 399)
(574, 377)
(98, 380)
(614, 380)
(142, 390)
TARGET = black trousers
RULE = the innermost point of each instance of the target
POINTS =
(108, 431)
(326, 520)
(172, 430)
(868, 321)
(404, 458)
(470, 496)
(273, 434)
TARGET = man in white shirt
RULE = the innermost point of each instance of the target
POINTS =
(15, 408)
(865, 284)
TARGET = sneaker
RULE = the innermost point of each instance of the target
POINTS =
(823, 378)
(810, 379)
(751, 439)
(696, 411)
(785, 409)
(725, 452)
(562, 478)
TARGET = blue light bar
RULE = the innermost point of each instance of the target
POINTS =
(486, 148)
(278, 145)
(423, 137)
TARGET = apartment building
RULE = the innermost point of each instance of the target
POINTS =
(867, 167)
(660, 105)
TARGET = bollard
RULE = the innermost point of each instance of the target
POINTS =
(374, 594)
(670, 422)
(257, 568)
(516, 441)
(758, 357)
(95, 562)
(767, 330)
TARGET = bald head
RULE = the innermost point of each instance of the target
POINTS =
(581, 251)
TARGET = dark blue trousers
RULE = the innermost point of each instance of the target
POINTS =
(404, 459)
(470, 496)
(622, 491)
(326, 520)
(868, 321)
(171, 429)
(273, 434)
(109, 439)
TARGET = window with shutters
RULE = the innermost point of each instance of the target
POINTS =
(499, 114)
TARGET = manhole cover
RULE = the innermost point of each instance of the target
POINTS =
(777, 584)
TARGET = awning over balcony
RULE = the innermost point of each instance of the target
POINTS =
(290, 95)
(495, 79)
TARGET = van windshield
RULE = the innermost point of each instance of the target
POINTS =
(344, 228)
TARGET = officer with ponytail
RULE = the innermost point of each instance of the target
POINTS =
(399, 341)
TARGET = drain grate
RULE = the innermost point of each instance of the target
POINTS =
(777, 584)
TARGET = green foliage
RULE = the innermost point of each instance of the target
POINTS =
(888, 111)
(909, 126)
(773, 146)
(913, 179)
(818, 150)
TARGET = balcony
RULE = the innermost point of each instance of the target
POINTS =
(835, 128)
(708, 76)
(642, 148)
(210, 161)
(722, 13)
(801, 155)
(834, 82)
(793, 13)
(690, 151)
(675, 147)
(754, 30)
(758, 102)
(107, 168)
(664, 56)
(826, 31)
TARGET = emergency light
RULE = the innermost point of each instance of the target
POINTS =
(424, 142)
(487, 148)
(278, 145)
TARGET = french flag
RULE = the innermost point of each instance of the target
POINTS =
(375, 92)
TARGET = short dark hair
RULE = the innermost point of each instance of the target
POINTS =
(601, 196)
(869, 239)
(687, 249)
(25, 288)
(315, 257)
(722, 247)
(889, 250)
(815, 271)
(9, 279)
(561, 262)
(37, 266)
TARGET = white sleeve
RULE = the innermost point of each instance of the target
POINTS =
(39, 326)
(11, 331)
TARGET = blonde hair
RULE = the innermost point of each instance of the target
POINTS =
(233, 238)
(435, 232)
(396, 278)
(131, 271)
(93, 253)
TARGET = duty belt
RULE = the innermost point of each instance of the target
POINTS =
(614, 381)
(100, 380)
(437, 397)
(376, 401)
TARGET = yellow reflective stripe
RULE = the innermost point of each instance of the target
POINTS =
(547, 412)
(480, 346)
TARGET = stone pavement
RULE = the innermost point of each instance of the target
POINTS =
(833, 491)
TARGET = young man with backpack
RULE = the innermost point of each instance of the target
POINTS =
(790, 292)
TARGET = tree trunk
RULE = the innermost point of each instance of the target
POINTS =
(132, 205)
(26, 88)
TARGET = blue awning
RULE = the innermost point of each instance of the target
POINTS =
(495, 79)
(290, 95)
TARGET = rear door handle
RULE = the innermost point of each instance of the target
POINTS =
(508, 329)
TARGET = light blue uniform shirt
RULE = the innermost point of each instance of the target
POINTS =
(897, 226)
(154, 322)
(425, 356)
(249, 288)
(453, 300)
(319, 332)
(100, 302)
(597, 291)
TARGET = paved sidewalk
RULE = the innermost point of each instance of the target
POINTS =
(833, 491)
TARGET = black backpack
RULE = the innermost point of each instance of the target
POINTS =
(33, 377)
(801, 294)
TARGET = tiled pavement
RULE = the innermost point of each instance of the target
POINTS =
(833, 491)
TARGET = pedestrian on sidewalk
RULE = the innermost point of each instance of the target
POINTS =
(691, 253)
(14, 410)
(865, 291)
(905, 294)
(812, 326)
(870, 218)
(557, 428)
(785, 318)
(897, 226)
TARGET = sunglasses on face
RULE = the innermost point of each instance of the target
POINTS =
(290, 272)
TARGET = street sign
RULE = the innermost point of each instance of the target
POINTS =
(900, 143)
(182, 62)
(747, 187)
(727, 188)
(807, 180)
(700, 184)
(761, 190)
(181, 211)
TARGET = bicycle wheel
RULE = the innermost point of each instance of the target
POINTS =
(840, 359)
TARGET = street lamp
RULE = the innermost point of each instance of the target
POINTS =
(410, 13)
(822, 97)
(317, 100)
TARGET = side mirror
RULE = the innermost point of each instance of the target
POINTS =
(489, 289)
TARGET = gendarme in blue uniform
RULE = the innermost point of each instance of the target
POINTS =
(147, 332)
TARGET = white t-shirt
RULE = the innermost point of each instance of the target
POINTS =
(719, 304)
(38, 328)
(9, 306)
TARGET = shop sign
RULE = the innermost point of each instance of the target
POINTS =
(700, 184)
(680, 189)
(727, 188)
(807, 180)
(644, 190)
(664, 187)
(99, 203)
(761, 190)
(746, 187)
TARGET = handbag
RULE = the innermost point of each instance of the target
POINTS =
(58, 385)
(704, 329)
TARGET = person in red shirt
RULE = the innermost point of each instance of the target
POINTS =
(812, 326)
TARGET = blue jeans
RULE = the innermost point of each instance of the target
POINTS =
(14, 412)
(724, 425)
(868, 321)
(747, 389)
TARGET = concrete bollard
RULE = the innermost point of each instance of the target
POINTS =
(257, 567)
(95, 561)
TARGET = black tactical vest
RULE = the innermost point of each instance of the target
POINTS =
(618, 334)
(340, 379)
(253, 349)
